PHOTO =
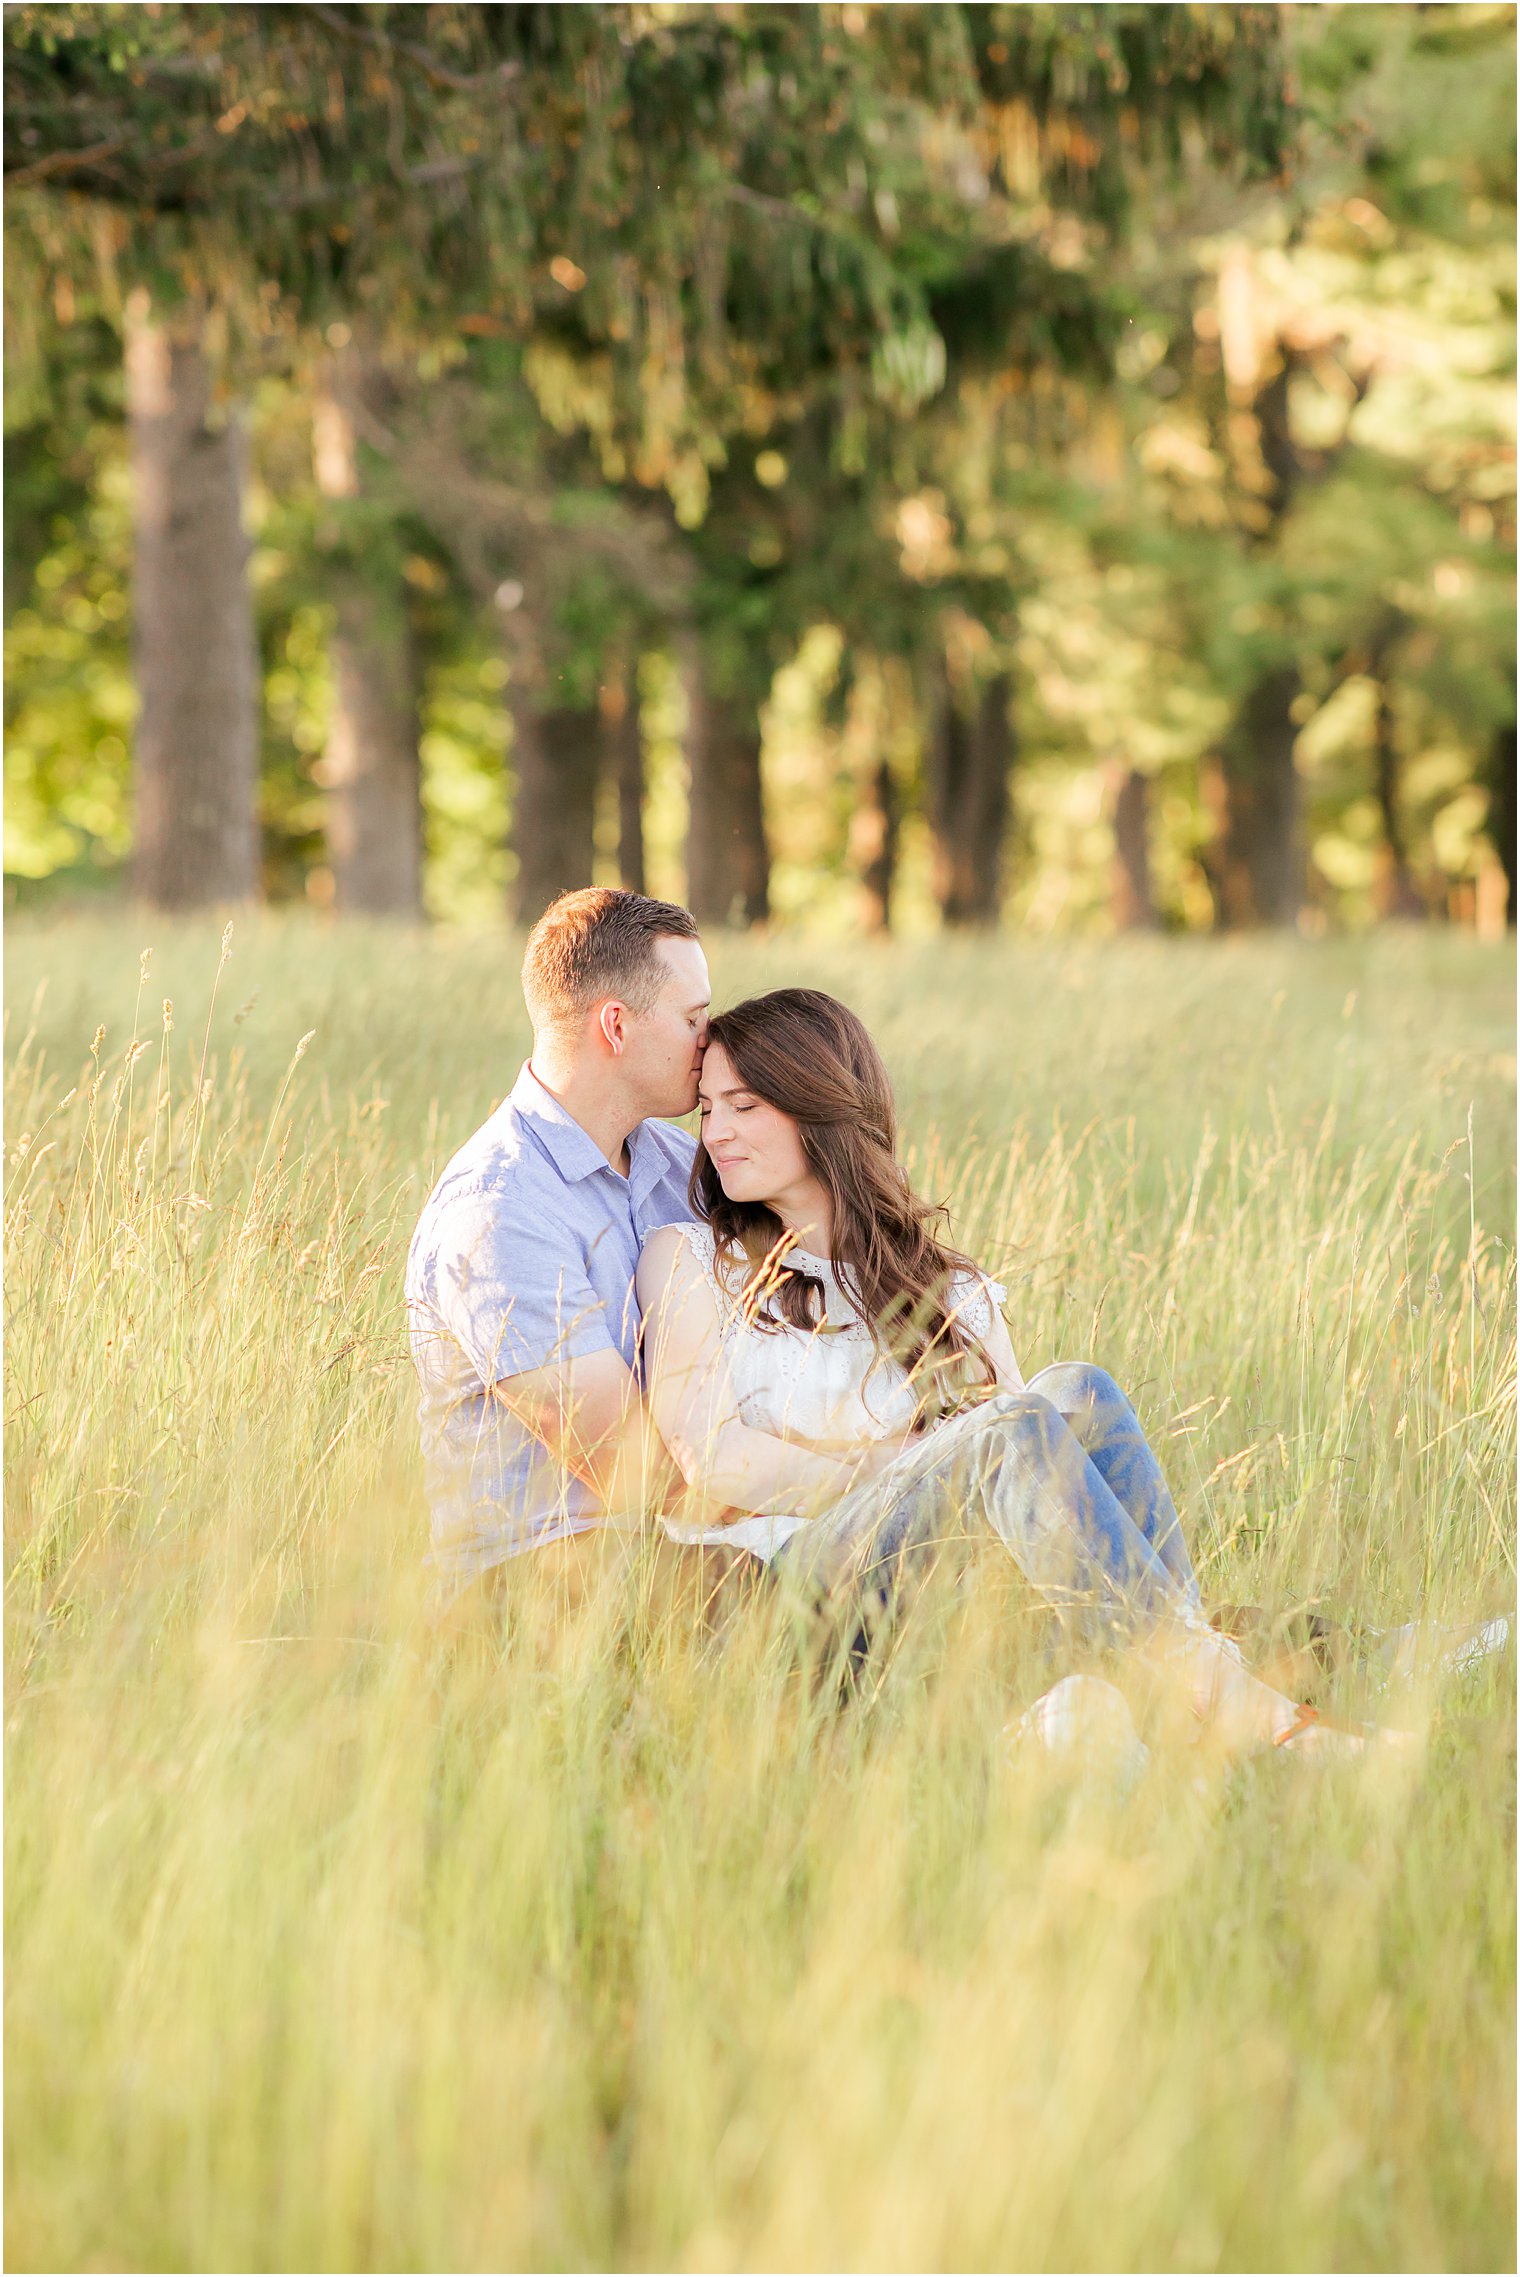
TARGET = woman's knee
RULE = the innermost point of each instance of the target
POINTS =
(1005, 1403)
(1020, 1414)
(1072, 1385)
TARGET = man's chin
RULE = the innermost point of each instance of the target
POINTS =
(679, 1103)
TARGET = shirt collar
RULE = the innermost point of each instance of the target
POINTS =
(573, 1151)
(648, 1160)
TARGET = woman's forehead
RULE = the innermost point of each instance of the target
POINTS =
(718, 1079)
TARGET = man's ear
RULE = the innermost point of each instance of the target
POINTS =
(612, 1021)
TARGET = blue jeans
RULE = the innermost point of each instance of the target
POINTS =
(1061, 1472)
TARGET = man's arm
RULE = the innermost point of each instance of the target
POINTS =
(513, 1291)
(588, 1413)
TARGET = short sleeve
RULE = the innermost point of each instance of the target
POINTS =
(980, 1303)
(514, 1291)
(697, 1241)
(976, 1299)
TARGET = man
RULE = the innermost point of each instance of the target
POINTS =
(519, 1281)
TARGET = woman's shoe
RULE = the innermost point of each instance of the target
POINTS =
(1312, 1734)
(1086, 1725)
(1305, 1720)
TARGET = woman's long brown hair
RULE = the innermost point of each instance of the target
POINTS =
(808, 1055)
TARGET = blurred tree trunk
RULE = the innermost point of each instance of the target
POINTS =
(556, 756)
(1499, 782)
(875, 815)
(728, 864)
(949, 767)
(197, 740)
(969, 765)
(553, 823)
(623, 749)
(1395, 893)
(874, 828)
(1130, 899)
(1256, 864)
(371, 769)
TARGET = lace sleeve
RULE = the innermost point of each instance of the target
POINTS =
(981, 1312)
(975, 1298)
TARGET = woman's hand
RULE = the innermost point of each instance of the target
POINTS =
(844, 1449)
(689, 1504)
(874, 1456)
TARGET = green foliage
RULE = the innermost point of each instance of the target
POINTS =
(901, 323)
(466, 806)
(70, 705)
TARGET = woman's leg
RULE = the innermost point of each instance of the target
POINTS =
(1102, 1420)
(1037, 1478)
(1053, 1495)
(1011, 1464)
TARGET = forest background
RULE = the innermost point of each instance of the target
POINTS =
(855, 466)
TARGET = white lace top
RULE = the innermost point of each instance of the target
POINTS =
(829, 1382)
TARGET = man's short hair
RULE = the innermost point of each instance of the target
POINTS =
(595, 943)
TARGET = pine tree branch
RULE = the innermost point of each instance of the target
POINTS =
(781, 209)
(63, 162)
(339, 20)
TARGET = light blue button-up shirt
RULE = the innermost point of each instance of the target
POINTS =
(524, 1255)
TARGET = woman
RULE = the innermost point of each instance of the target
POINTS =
(838, 1385)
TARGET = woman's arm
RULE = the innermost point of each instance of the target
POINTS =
(998, 1345)
(692, 1398)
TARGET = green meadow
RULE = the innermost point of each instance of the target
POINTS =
(328, 1948)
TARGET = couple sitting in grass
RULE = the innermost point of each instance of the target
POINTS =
(760, 1336)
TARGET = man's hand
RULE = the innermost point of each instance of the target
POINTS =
(589, 1415)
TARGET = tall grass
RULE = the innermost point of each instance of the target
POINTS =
(327, 1950)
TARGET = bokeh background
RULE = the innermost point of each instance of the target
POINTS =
(1041, 467)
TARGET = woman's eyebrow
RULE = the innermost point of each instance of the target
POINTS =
(734, 1091)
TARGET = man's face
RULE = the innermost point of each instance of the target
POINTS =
(663, 1052)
